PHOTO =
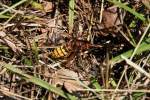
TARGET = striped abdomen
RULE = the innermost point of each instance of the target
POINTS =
(60, 52)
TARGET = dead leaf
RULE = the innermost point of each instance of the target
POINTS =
(69, 79)
(10, 44)
(8, 41)
(2, 34)
(48, 6)
(110, 17)
(146, 3)
(73, 85)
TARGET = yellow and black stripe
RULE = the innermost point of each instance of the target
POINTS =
(60, 52)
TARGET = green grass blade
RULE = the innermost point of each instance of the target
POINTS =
(37, 5)
(27, 61)
(140, 41)
(4, 16)
(71, 15)
(132, 11)
(13, 6)
(3, 47)
(35, 51)
(95, 84)
(37, 81)
(145, 46)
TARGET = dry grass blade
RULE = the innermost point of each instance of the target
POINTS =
(137, 49)
(137, 67)
(10, 94)
(6, 40)
(146, 3)
(118, 90)
(15, 5)
(141, 39)
(36, 80)
(16, 11)
(71, 15)
(60, 49)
